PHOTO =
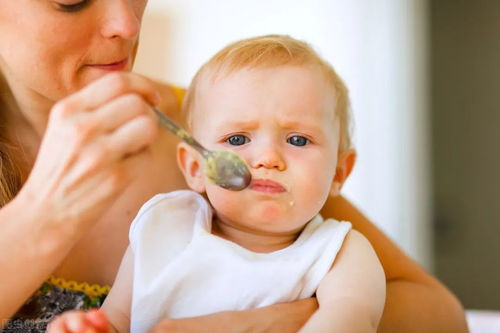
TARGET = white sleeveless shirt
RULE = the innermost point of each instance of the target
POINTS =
(182, 270)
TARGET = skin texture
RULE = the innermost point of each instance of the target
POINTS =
(44, 55)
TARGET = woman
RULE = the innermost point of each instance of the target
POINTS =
(80, 152)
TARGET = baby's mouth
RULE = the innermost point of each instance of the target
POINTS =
(267, 186)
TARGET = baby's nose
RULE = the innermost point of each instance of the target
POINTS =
(269, 158)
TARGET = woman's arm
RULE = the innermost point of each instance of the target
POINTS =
(95, 144)
(117, 305)
(278, 318)
(27, 256)
(416, 301)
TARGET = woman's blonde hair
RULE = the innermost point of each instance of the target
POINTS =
(267, 52)
(10, 171)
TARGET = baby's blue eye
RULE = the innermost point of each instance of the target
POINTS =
(237, 140)
(297, 140)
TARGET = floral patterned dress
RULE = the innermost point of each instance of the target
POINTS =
(54, 297)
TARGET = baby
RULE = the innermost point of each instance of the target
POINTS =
(284, 110)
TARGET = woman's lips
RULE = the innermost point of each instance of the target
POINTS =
(267, 186)
(115, 66)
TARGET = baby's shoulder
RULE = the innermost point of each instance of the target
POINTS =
(168, 215)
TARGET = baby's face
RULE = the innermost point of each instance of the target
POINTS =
(281, 121)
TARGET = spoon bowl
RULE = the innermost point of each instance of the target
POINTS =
(227, 169)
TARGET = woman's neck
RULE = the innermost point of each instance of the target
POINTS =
(26, 117)
(32, 111)
(254, 240)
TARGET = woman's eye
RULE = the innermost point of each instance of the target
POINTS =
(297, 140)
(72, 7)
(237, 140)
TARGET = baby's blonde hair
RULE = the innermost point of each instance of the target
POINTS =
(267, 52)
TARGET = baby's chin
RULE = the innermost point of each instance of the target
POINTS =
(276, 219)
(271, 212)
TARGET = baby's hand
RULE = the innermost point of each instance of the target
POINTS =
(93, 321)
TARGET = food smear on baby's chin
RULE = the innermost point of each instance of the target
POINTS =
(289, 200)
(288, 195)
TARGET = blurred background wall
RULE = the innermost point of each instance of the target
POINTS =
(465, 119)
(425, 167)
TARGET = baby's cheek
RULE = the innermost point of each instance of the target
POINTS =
(312, 197)
(226, 202)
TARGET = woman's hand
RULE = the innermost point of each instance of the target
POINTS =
(278, 318)
(95, 144)
(80, 322)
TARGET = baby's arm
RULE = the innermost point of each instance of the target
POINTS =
(351, 296)
(114, 315)
(119, 300)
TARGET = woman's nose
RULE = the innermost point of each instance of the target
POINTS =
(269, 158)
(121, 19)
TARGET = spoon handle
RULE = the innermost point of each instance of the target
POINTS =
(178, 131)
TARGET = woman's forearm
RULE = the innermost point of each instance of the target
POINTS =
(341, 317)
(421, 307)
(27, 255)
(282, 318)
(279, 318)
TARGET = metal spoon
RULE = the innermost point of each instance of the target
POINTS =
(223, 167)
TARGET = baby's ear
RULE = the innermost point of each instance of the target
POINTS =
(190, 163)
(345, 164)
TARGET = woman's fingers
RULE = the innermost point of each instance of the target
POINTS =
(132, 137)
(126, 121)
(119, 111)
(111, 86)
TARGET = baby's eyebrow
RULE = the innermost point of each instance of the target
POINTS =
(287, 124)
(239, 124)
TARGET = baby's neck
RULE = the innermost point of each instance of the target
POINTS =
(254, 240)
